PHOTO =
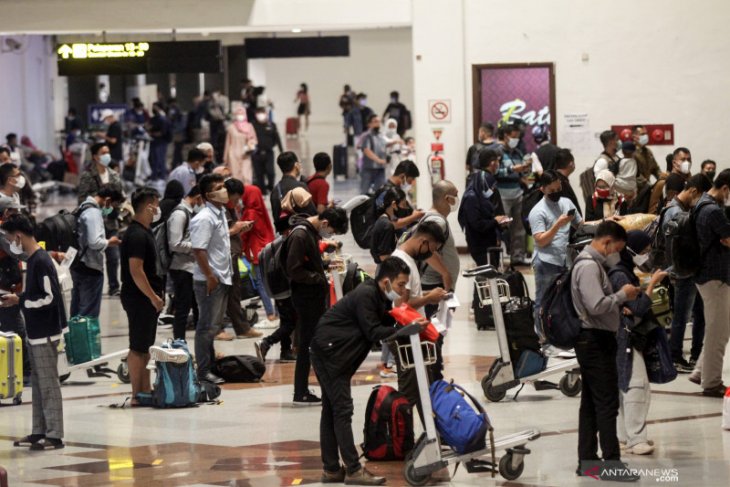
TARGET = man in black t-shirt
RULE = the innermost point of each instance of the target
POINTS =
(142, 287)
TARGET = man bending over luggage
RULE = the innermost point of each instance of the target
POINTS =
(341, 342)
(45, 315)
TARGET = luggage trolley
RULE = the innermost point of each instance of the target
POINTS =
(427, 455)
(501, 376)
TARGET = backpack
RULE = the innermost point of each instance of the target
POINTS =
(587, 182)
(176, 385)
(531, 198)
(683, 246)
(354, 276)
(274, 279)
(558, 317)
(658, 240)
(461, 427)
(61, 231)
(362, 220)
(162, 242)
(239, 368)
(388, 433)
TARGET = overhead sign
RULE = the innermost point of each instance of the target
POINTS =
(94, 58)
(439, 111)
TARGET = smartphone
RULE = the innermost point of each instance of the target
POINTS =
(507, 220)
(571, 212)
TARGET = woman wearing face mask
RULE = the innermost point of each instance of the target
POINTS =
(633, 381)
(241, 141)
(394, 145)
(605, 202)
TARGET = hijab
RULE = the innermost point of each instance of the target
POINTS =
(243, 126)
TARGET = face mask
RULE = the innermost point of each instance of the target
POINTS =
(220, 196)
(643, 139)
(198, 208)
(684, 167)
(261, 117)
(603, 193)
(640, 260)
(16, 248)
(613, 259)
(199, 170)
(363, 102)
(158, 214)
(406, 187)
(390, 293)
(555, 197)
(241, 118)
(394, 100)
(105, 160)
(403, 212)
(421, 255)
(513, 142)
(455, 206)
(106, 211)
(20, 184)
(325, 233)
(711, 175)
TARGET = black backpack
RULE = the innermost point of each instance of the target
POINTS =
(658, 241)
(239, 368)
(683, 246)
(362, 220)
(558, 318)
(354, 276)
(531, 198)
(273, 276)
(60, 231)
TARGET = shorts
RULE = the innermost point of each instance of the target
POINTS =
(142, 318)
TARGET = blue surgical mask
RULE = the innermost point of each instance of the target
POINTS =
(105, 160)
(513, 142)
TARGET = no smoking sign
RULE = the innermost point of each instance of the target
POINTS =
(439, 111)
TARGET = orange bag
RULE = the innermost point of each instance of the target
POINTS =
(405, 315)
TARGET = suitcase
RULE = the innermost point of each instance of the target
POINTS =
(83, 340)
(339, 160)
(11, 367)
(292, 127)
(3, 477)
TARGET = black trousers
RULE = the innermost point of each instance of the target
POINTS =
(310, 305)
(287, 325)
(599, 400)
(184, 301)
(335, 426)
(263, 170)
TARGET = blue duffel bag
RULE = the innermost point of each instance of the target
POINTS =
(461, 426)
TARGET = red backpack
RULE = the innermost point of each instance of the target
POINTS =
(388, 425)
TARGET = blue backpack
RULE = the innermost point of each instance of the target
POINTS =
(460, 426)
(176, 385)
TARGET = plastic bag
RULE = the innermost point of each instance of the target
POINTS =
(405, 315)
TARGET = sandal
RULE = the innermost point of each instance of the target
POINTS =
(29, 440)
(47, 444)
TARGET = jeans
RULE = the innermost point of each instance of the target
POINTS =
(184, 301)
(517, 235)
(86, 294)
(686, 298)
(12, 321)
(233, 309)
(158, 159)
(287, 325)
(371, 179)
(545, 274)
(263, 170)
(265, 299)
(310, 304)
(599, 399)
(112, 263)
(716, 296)
(335, 425)
(210, 309)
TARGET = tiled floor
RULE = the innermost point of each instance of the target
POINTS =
(255, 438)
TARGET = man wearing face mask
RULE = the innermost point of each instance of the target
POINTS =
(512, 169)
(291, 170)
(189, 172)
(183, 260)
(600, 310)
(681, 168)
(113, 135)
(341, 342)
(87, 269)
(646, 165)
(709, 168)
(713, 282)
(11, 182)
(263, 157)
(383, 236)
(209, 164)
(309, 286)
(161, 133)
(142, 287)
(686, 299)
(212, 274)
(564, 167)
(374, 147)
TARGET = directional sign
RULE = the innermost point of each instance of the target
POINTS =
(103, 50)
(439, 111)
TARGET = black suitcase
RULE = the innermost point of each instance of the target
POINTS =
(339, 160)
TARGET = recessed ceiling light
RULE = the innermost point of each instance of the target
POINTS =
(296, 31)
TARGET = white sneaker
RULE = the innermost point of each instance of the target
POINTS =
(266, 324)
(641, 449)
(567, 354)
(174, 355)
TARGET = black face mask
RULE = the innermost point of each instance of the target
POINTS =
(403, 212)
(421, 255)
(711, 175)
(376, 130)
(554, 197)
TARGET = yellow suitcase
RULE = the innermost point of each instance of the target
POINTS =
(11, 367)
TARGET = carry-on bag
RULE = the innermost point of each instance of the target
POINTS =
(463, 427)
(388, 433)
(83, 340)
(11, 367)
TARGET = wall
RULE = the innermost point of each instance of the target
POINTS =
(379, 62)
(27, 95)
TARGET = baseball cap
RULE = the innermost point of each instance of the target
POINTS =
(106, 113)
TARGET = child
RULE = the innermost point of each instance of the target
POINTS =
(45, 319)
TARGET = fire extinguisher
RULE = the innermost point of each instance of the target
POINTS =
(436, 164)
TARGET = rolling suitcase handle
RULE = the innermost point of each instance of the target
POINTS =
(496, 251)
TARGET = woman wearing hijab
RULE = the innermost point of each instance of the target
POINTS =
(240, 143)
(605, 202)
(174, 193)
(394, 145)
(295, 202)
(633, 380)
(253, 241)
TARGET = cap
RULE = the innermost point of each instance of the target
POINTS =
(106, 113)
(10, 204)
(628, 146)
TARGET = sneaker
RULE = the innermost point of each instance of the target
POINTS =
(363, 477)
(29, 440)
(174, 355)
(695, 377)
(287, 357)
(682, 366)
(47, 444)
(115, 292)
(262, 348)
(224, 336)
(617, 471)
(267, 324)
(387, 372)
(333, 477)
(250, 334)
(641, 449)
(308, 399)
(717, 391)
(693, 362)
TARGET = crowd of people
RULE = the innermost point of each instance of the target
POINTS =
(213, 214)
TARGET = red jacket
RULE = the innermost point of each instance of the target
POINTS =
(262, 232)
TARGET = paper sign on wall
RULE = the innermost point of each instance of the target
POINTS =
(439, 111)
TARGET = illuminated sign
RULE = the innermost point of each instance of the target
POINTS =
(94, 58)
(103, 51)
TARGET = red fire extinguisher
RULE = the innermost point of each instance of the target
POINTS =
(436, 163)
